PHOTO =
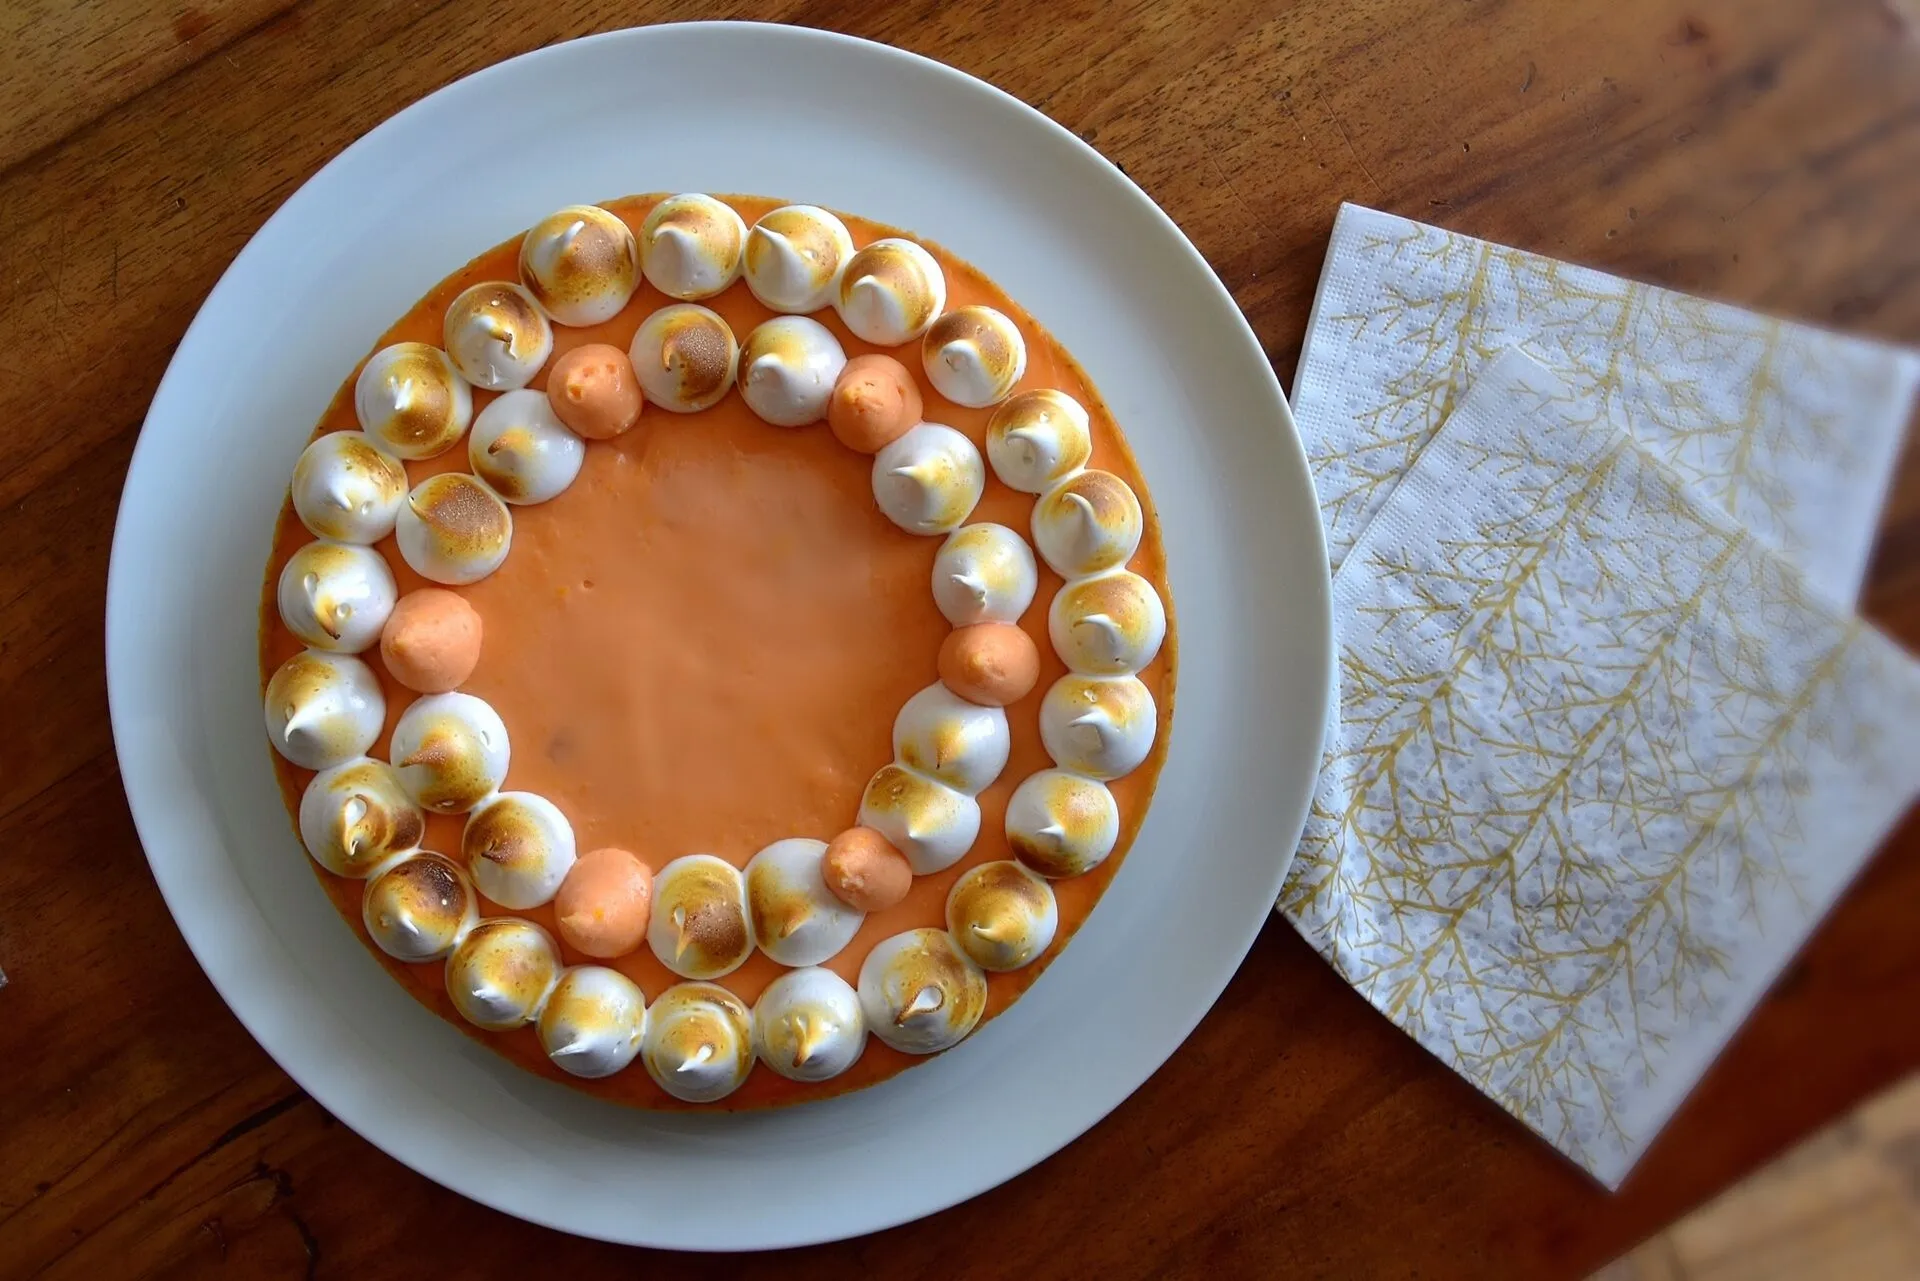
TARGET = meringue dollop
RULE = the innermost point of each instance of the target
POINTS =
(518, 848)
(522, 450)
(808, 1025)
(921, 994)
(323, 709)
(581, 264)
(794, 258)
(929, 480)
(419, 908)
(336, 596)
(497, 336)
(593, 1022)
(691, 245)
(451, 751)
(348, 489)
(355, 816)
(797, 920)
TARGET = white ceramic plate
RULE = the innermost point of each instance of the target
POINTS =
(842, 123)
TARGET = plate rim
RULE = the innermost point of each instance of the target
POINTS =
(144, 804)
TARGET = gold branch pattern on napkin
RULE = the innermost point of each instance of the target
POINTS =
(1603, 760)
(1788, 429)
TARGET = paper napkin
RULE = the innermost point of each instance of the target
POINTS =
(1790, 430)
(1603, 759)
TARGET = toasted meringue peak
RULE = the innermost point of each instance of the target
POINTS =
(921, 994)
(336, 596)
(522, 449)
(929, 480)
(787, 370)
(1062, 824)
(1002, 915)
(794, 258)
(323, 709)
(348, 489)
(1111, 624)
(945, 737)
(932, 824)
(1037, 439)
(984, 573)
(974, 356)
(691, 245)
(419, 908)
(890, 292)
(500, 973)
(356, 816)
(518, 848)
(454, 529)
(797, 920)
(698, 1045)
(685, 358)
(700, 928)
(1089, 522)
(808, 1025)
(593, 1021)
(581, 264)
(1100, 726)
(451, 751)
(497, 336)
(411, 400)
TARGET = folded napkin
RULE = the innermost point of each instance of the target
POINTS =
(1604, 757)
(1789, 429)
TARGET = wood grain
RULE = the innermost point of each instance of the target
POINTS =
(1765, 154)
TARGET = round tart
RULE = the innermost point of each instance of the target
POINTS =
(792, 632)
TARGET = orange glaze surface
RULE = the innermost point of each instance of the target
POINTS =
(701, 645)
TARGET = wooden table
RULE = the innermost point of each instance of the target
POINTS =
(1766, 153)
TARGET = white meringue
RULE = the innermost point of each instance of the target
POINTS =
(497, 336)
(1107, 625)
(1100, 726)
(1088, 522)
(929, 822)
(984, 573)
(797, 920)
(411, 400)
(794, 258)
(698, 1045)
(890, 292)
(453, 529)
(356, 815)
(581, 264)
(808, 1025)
(451, 751)
(974, 355)
(691, 245)
(1062, 824)
(347, 488)
(323, 709)
(1038, 439)
(501, 972)
(700, 927)
(593, 1021)
(419, 908)
(336, 596)
(921, 994)
(522, 450)
(1002, 915)
(942, 735)
(787, 370)
(929, 480)
(685, 358)
(518, 848)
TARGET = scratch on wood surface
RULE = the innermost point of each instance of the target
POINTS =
(1232, 190)
(1528, 82)
(1346, 137)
